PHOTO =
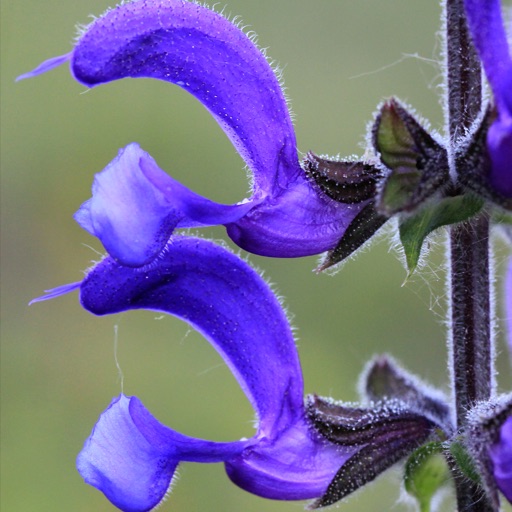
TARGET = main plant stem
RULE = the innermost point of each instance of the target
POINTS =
(470, 335)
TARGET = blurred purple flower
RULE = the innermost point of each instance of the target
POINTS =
(131, 457)
(501, 456)
(490, 38)
(208, 56)
(500, 451)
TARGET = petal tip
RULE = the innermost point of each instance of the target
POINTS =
(45, 66)
(56, 292)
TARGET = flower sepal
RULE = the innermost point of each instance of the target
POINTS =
(474, 165)
(345, 181)
(365, 224)
(417, 187)
(417, 163)
(348, 182)
(385, 379)
(385, 431)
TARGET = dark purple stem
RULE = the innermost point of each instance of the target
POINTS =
(470, 314)
(464, 88)
(470, 336)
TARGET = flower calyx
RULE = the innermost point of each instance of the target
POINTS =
(385, 379)
(418, 187)
(426, 470)
(417, 163)
(386, 432)
(473, 162)
(345, 181)
(348, 182)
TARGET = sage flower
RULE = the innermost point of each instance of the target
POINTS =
(131, 457)
(187, 44)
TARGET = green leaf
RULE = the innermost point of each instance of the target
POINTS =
(465, 462)
(425, 472)
(450, 210)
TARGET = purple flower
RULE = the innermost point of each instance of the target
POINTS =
(131, 457)
(501, 456)
(205, 54)
(490, 38)
(508, 306)
(494, 430)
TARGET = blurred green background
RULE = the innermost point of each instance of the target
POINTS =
(340, 59)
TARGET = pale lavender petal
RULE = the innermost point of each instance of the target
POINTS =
(135, 207)
(229, 303)
(298, 465)
(300, 221)
(131, 457)
(205, 54)
(501, 456)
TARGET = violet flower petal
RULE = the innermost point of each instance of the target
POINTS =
(135, 206)
(229, 303)
(205, 54)
(224, 299)
(299, 222)
(490, 38)
(132, 458)
(298, 465)
(501, 456)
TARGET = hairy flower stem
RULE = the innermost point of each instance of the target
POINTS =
(470, 314)
(470, 335)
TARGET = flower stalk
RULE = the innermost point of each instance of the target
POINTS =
(470, 338)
